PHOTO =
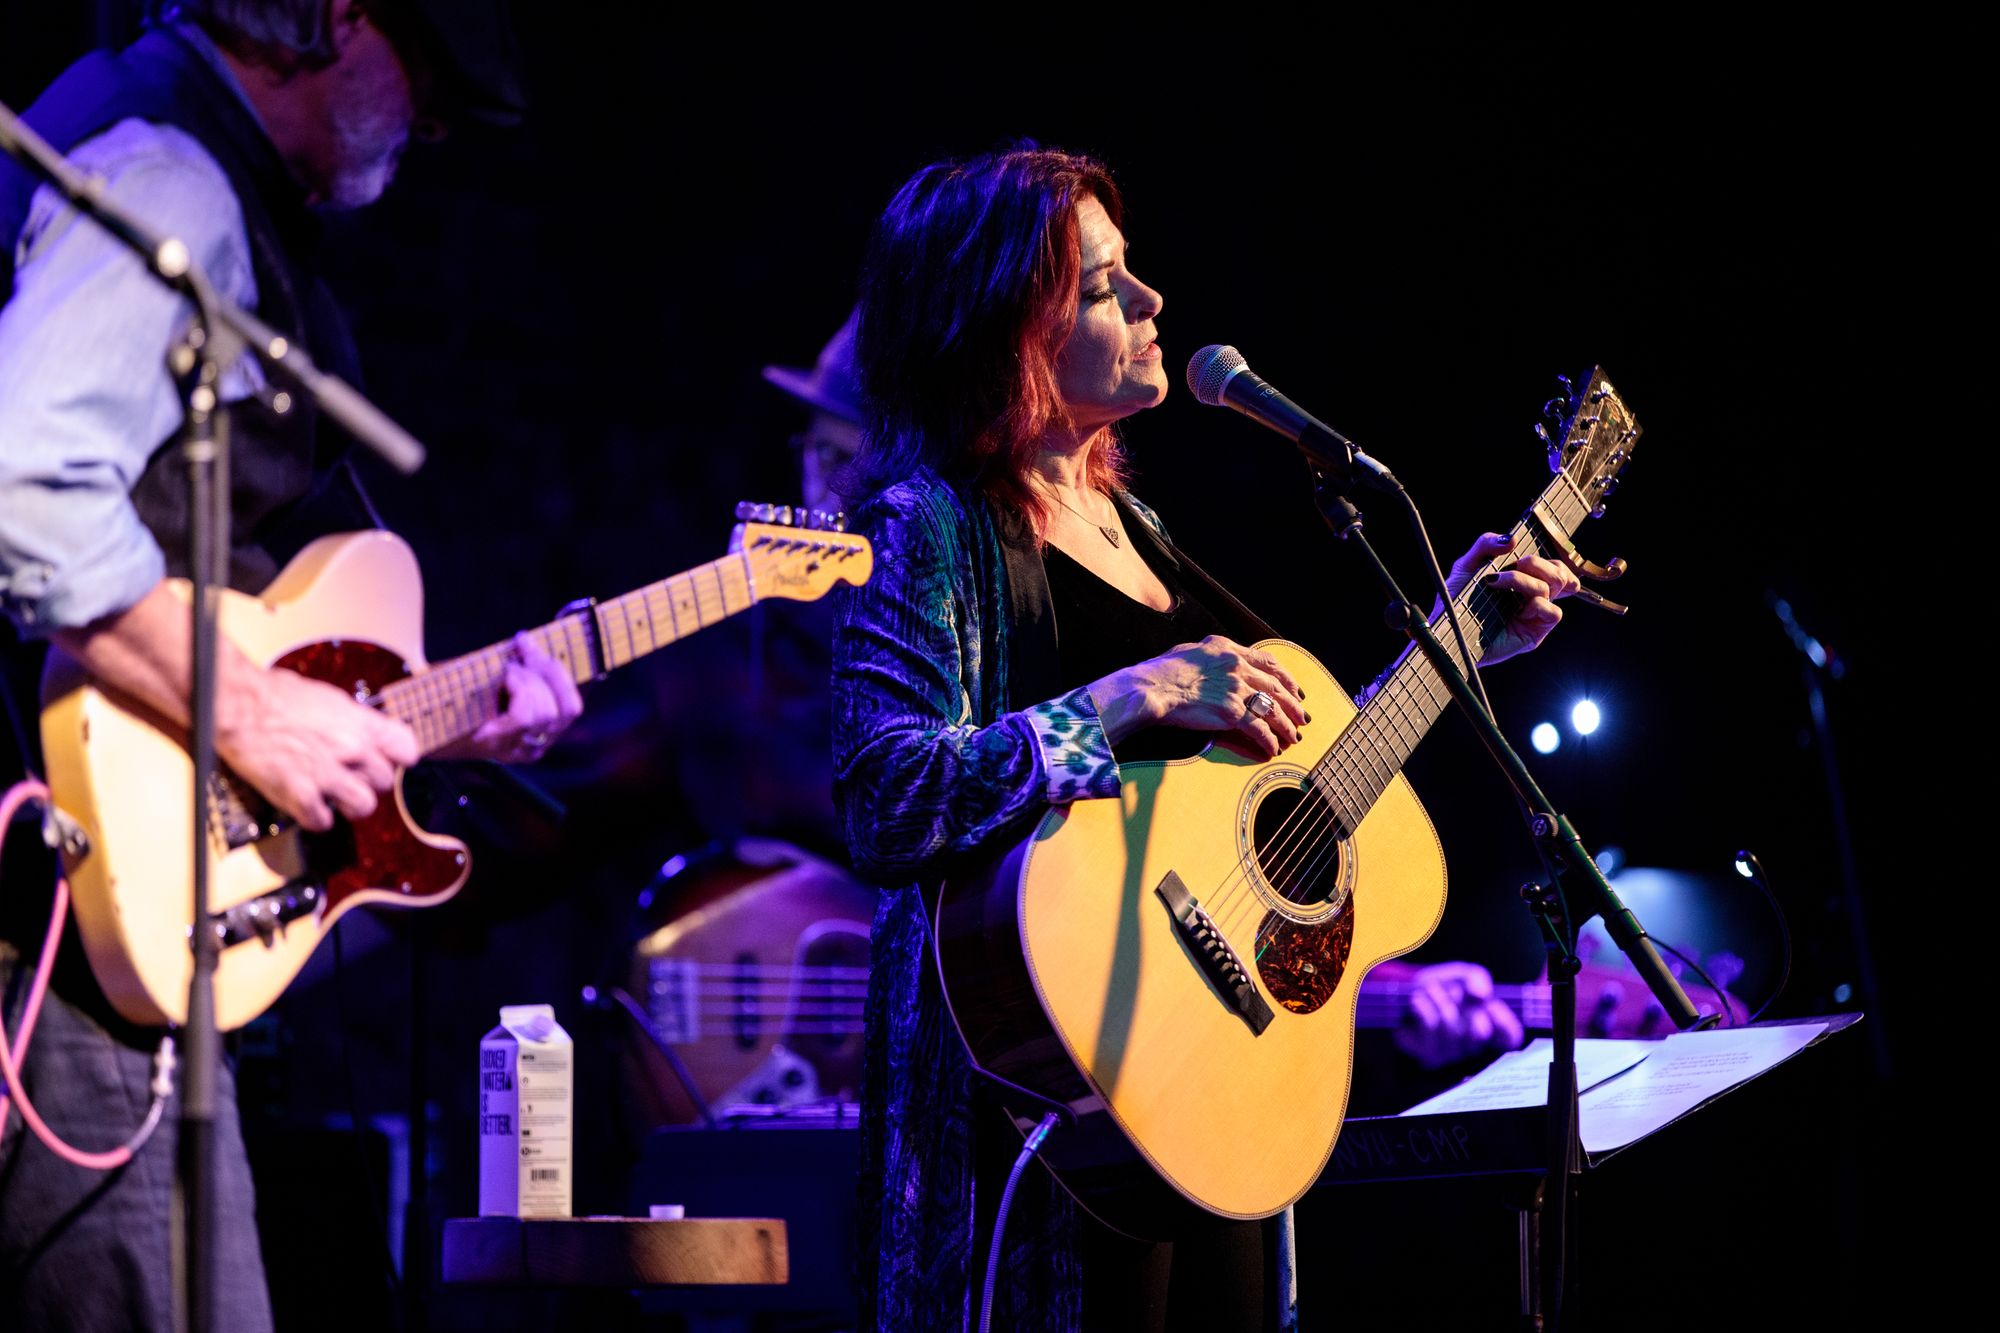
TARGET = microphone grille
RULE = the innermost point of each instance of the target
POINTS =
(1209, 369)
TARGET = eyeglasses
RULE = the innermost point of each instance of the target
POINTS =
(824, 449)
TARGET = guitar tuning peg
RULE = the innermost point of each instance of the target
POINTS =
(782, 514)
(1569, 390)
(1549, 443)
(838, 519)
(745, 512)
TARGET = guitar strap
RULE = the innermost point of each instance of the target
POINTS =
(1243, 624)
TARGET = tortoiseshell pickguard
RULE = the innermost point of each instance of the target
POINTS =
(382, 851)
(1302, 964)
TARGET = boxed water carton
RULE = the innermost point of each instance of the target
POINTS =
(526, 1093)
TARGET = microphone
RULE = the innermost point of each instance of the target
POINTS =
(1219, 376)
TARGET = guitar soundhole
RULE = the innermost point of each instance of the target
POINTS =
(1296, 838)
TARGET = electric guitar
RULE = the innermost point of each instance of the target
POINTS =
(347, 610)
(1179, 965)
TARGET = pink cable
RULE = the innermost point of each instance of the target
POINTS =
(31, 789)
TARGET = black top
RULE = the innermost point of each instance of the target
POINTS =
(1100, 630)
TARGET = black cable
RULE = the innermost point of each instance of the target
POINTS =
(1746, 857)
(1028, 1150)
(1442, 587)
(1721, 996)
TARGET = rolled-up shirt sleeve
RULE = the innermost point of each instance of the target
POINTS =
(85, 395)
(919, 781)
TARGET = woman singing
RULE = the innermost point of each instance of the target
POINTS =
(1029, 626)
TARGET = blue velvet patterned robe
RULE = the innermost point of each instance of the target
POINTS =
(944, 750)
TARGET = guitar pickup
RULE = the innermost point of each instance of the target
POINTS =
(265, 918)
(1217, 960)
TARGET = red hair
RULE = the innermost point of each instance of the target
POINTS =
(969, 294)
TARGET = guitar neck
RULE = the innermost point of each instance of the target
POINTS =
(452, 699)
(1386, 1004)
(1413, 694)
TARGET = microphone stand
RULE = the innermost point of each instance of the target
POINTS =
(216, 334)
(1572, 876)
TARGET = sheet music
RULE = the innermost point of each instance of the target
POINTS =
(1521, 1078)
(1683, 1071)
(1630, 1088)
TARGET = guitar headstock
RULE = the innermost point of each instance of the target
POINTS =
(1590, 435)
(797, 553)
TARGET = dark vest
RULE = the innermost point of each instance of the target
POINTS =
(289, 481)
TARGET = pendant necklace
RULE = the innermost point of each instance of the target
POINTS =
(1110, 533)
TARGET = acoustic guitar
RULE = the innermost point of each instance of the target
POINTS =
(1178, 966)
(347, 610)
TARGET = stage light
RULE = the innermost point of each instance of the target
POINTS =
(1843, 993)
(1545, 738)
(1585, 717)
(1743, 869)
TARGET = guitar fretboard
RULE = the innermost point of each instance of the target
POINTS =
(449, 701)
(1384, 733)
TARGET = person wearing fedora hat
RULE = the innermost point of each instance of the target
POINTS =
(228, 124)
(833, 437)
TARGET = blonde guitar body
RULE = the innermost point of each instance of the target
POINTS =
(124, 774)
(347, 610)
(1182, 1108)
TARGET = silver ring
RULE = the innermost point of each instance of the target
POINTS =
(537, 739)
(1260, 704)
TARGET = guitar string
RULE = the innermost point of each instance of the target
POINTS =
(828, 994)
(451, 700)
(1389, 698)
(1304, 825)
(1299, 827)
(1296, 844)
(1323, 837)
(1395, 711)
(1307, 824)
(1371, 736)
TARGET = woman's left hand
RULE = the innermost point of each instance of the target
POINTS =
(1539, 582)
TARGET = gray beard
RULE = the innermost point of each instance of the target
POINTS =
(370, 126)
(368, 147)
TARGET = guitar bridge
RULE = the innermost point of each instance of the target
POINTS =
(240, 816)
(1218, 961)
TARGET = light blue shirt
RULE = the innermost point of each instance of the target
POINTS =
(85, 395)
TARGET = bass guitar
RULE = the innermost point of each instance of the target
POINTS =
(347, 610)
(1179, 966)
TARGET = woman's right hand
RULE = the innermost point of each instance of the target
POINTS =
(1206, 686)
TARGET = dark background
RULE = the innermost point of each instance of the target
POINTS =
(1412, 236)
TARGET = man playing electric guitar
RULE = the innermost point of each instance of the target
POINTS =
(224, 126)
